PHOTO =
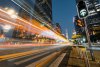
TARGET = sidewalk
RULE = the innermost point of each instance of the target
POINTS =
(97, 58)
(75, 61)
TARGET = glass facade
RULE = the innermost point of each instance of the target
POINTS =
(21, 22)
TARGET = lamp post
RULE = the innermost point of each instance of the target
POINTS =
(89, 41)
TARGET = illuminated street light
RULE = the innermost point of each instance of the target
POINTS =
(12, 13)
(6, 8)
(6, 28)
(84, 39)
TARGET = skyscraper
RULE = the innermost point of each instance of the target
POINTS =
(93, 6)
(44, 9)
(66, 34)
(58, 28)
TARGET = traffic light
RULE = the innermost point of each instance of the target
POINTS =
(80, 23)
(82, 9)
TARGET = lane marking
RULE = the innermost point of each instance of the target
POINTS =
(58, 60)
(11, 56)
(46, 61)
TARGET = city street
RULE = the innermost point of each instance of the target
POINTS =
(49, 33)
(28, 56)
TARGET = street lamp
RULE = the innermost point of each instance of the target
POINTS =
(12, 13)
(6, 28)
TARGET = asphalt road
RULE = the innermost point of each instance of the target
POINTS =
(22, 57)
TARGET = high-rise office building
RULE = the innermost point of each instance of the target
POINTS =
(58, 28)
(43, 8)
(66, 34)
(31, 11)
(93, 6)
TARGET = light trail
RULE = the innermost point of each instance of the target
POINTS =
(11, 21)
(3, 20)
(33, 25)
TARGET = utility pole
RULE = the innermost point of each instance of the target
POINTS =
(83, 14)
(89, 41)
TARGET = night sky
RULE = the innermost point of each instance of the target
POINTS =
(63, 12)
